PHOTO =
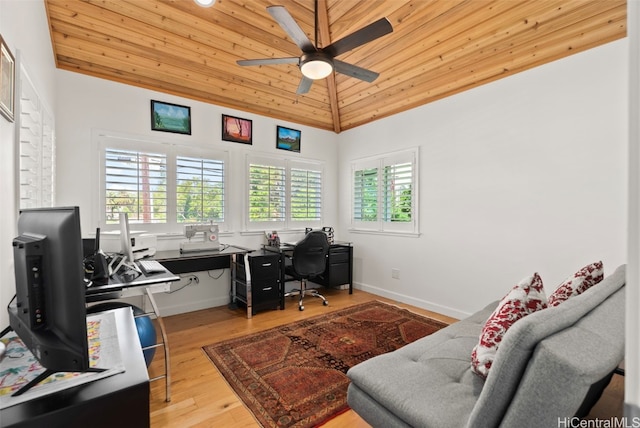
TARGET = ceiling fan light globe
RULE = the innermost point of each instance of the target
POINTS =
(205, 3)
(316, 69)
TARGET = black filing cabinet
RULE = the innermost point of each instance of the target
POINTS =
(258, 280)
(339, 267)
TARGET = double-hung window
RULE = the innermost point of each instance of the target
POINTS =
(385, 193)
(283, 194)
(161, 186)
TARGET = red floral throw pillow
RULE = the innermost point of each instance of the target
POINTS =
(577, 283)
(523, 299)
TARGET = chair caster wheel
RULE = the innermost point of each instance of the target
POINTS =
(301, 308)
(326, 303)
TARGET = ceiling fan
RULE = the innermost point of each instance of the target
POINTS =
(317, 63)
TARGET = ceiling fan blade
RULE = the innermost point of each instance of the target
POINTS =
(355, 71)
(268, 61)
(304, 86)
(291, 27)
(358, 38)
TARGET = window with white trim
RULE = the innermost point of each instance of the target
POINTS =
(283, 193)
(161, 186)
(384, 193)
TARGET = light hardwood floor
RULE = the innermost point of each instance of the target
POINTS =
(200, 397)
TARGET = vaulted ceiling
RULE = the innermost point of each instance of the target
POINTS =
(437, 48)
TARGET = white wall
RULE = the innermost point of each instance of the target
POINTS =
(23, 25)
(90, 104)
(521, 175)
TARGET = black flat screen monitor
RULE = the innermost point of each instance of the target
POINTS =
(49, 312)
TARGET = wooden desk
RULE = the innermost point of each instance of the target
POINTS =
(116, 401)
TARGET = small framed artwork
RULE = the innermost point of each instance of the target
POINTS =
(7, 81)
(236, 129)
(169, 117)
(288, 139)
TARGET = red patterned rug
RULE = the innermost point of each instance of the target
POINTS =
(294, 375)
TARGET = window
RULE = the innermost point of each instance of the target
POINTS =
(161, 185)
(266, 193)
(199, 189)
(283, 194)
(306, 195)
(384, 193)
(135, 183)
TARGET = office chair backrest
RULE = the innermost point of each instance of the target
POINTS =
(310, 254)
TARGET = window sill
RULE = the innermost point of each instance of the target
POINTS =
(386, 232)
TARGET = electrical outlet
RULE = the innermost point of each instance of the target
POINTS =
(395, 273)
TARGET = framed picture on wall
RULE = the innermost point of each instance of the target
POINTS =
(169, 117)
(288, 139)
(236, 129)
(7, 81)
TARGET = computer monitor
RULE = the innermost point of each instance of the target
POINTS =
(126, 249)
(48, 312)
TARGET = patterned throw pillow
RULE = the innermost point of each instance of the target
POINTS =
(577, 283)
(523, 299)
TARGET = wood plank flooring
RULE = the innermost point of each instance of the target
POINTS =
(200, 397)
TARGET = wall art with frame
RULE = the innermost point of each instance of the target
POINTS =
(236, 129)
(7, 81)
(169, 117)
(288, 139)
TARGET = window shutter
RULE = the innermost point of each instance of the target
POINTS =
(306, 195)
(266, 193)
(135, 183)
(365, 194)
(35, 129)
(385, 193)
(397, 192)
(199, 190)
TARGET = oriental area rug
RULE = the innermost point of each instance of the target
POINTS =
(295, 375)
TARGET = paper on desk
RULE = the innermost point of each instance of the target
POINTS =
(18, 366)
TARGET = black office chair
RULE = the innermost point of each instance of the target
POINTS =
(309, 259)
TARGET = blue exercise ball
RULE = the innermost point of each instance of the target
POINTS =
(144, 325)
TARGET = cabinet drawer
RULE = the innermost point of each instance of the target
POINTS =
(339, 255)
(265, 267)
(265, 290)
(338, 274)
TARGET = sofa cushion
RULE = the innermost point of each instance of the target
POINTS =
(577, 283)
(524, 298)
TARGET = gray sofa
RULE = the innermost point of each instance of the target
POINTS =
(551, 364)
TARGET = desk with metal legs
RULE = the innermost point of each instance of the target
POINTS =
(139, 284)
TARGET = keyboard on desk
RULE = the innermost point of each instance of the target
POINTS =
(151, 266)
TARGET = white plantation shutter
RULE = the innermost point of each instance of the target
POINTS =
(283, 193)
(306, 195)
(35, 128)
(200, 189)
(365, 194)
(267, 193)
(384, 193)
(397, 192)
(161, 185)
(135, 183)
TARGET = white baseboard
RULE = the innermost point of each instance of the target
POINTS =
(169, 310)
(424, 304)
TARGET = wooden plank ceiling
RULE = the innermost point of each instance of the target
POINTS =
(438, 48)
